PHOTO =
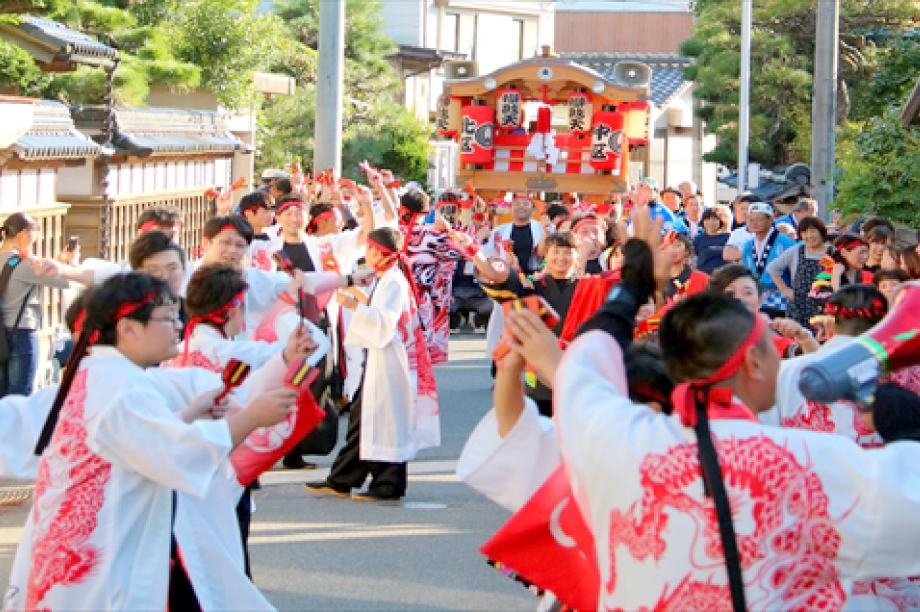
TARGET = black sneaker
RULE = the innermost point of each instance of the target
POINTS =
(296, 462)
(327, 488)
(382, 494)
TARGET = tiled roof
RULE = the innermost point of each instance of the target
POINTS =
(667, 70)
(145, 131)
(70, 44)
(53, 136)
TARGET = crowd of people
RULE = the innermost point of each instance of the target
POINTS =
(646, 359)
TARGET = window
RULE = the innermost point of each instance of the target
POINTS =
(524, 39)
(517, 40)
(466, 37)
(530, 40)
(458, 33)
(450, 32)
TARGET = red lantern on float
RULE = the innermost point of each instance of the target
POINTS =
(476, 132)
(509, 104)
(581, 111)
(544, 119)
(448, 116)
(607, 139)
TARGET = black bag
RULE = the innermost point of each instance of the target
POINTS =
(5, 342)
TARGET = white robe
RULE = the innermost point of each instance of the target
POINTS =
(259, 254)
(803, 501)
(98, 534)
(206, 529)
(510, 470)
(397, 420)
(793, 410)
(208, 349)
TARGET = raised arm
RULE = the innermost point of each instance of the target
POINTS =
(390, 207)
(366, 202)
(486, 272)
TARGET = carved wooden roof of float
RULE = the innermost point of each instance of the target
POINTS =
(560, 75)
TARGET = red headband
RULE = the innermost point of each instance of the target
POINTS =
(129, 307)
(732, 364)
(389, 259)
(584, 220)
(322, 217)
(688, 394)
(851, 243)
(326, 215)
(288, 204)
(217, 317)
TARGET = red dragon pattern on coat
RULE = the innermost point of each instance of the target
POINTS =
(69, 493)
(433, 259)
(766, 479)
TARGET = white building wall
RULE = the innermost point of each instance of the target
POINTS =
(27, 188)
(402, 21)
(154, 176)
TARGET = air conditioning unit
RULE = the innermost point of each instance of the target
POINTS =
(632, 74)
(457, 70)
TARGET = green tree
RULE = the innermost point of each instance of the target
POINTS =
(879, 160)
(376, 127)
(878, 156)
(782, 59)
(228, 41)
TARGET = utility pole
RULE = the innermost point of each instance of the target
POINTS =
(744, 104)
(824, 104)
(330, 83)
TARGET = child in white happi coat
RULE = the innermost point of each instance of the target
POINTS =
(396, 413)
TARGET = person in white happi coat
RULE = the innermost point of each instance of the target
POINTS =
(851, 311)
(335, 249)
(801, 503)
(398, 410)
(98, 534)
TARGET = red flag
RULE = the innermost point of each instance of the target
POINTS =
(266, 445)
(590, 294)
(548, 543)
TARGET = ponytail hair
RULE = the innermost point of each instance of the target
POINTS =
(390, 242)
(16, 223)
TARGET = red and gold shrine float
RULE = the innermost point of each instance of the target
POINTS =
(585, 152)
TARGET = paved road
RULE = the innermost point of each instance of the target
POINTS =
(325, 553)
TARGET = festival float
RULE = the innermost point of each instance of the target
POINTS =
(585, 150)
